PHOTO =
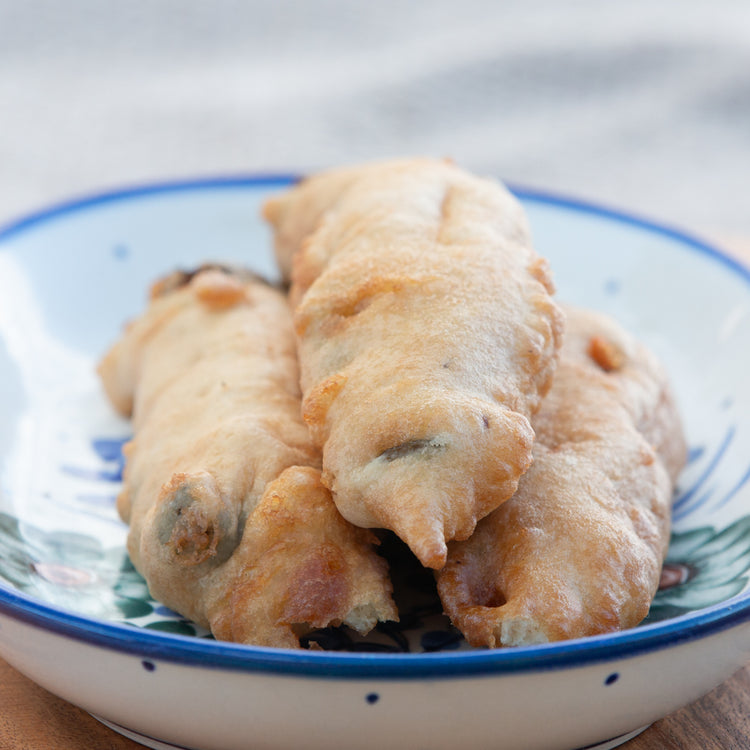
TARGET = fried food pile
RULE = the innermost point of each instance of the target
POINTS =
(418, 377)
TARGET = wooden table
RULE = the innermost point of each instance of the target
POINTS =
(33, 719)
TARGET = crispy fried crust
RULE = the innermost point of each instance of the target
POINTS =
(300, 562)
(578, 550)
(427, 336)
(209, 374)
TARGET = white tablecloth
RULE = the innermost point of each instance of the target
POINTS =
(641, 104)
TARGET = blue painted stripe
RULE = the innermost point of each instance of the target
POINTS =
(677, 234)
(706, 474)
(165, 647)
(743, 480)
(135, 192)
(278, 180)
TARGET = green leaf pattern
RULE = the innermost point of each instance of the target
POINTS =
(716, 565)
(73, 571)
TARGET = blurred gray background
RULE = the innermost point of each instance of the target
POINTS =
(642, 104)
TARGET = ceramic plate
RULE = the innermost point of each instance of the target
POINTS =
(76, 617)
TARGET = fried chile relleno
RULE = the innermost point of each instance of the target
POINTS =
(209, 375)
(578, 550)
(398, 269)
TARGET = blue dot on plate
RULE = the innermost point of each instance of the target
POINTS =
(372, 698)
(612, 286)
(612, 679)
(149, 666)
(120, 251)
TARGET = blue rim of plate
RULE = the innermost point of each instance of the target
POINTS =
(210, 654)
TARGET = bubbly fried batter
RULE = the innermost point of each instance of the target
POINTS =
(427, 336)
(578, 550)
(229, 522)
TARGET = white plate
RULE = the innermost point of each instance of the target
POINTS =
(75, 618)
